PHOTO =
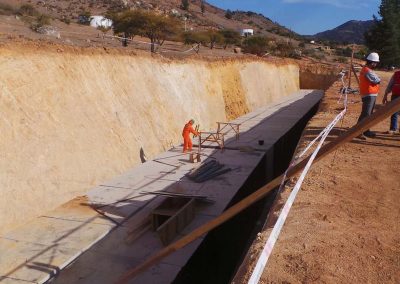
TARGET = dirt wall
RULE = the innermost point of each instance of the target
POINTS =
(318, 76)
(71, 120)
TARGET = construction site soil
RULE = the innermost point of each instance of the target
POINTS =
(344, 226)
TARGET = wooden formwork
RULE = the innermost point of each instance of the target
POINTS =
(234, 126)
(213, 137)
(172, 216)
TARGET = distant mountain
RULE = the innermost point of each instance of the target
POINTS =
(349, 32)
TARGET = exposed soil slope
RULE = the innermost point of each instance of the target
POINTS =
(73, 118)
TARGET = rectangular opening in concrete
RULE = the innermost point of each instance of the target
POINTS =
(172, 216)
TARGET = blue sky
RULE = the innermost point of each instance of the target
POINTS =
(306, 16)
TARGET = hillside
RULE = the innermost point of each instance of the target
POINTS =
(212, 18)
(349, 32)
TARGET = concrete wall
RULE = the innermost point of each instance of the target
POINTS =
(73, 119)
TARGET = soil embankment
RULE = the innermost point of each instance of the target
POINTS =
(318, 76)
(73, 118)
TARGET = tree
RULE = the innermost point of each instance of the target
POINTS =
(159, 28)
(255, 45)
(230, 37)
(384, 36)
(228, 14)
(203, 7)
(156, 27)
(214, 37)
(361, 54)
(196, 39)
(185, 5)
(128, 23)
(84, 18)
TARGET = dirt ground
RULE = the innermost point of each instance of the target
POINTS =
(344, 226)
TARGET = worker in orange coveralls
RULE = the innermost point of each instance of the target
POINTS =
(187, 141)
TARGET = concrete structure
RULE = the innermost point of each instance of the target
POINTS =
(107, 241)
(247, 32)
(100, 21)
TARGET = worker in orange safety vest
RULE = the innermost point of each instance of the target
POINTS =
(394, 88)
(369, 89)
(187, 130)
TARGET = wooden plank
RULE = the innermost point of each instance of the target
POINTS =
(355, 75)
(228, 123)
(200, 198)
(351, 65)
(165, 211)
(134, 235)
(375, 118)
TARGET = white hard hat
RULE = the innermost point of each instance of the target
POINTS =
(374, 57)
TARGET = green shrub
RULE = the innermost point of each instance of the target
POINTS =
(286, 49)
(40, 21)
(28, 10)
(255, 45)
(229, 14)
(230, 37)
(43, 20)
(319, 56)
(309, 52)
(185, 5)
(84, 18)
(6, 9)
(202, 7)
(194, 38)
(66, 20)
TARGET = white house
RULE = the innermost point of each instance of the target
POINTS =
(247, 32)
(100, 21)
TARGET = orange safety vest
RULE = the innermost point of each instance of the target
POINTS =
(366, 87)
(187, 130)
(396, 84)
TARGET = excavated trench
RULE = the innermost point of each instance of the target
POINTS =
(86, 115)
(312, 77)
(222, 251)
